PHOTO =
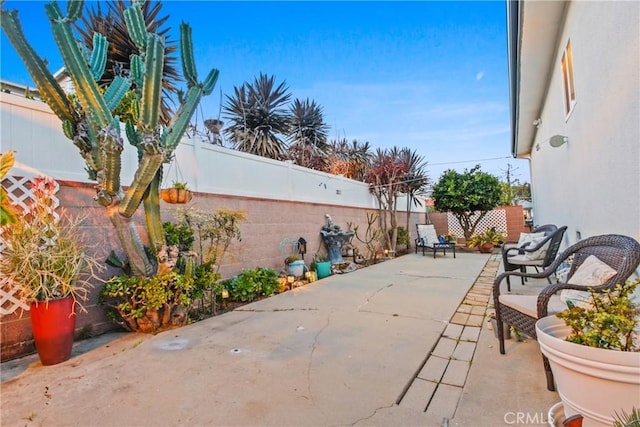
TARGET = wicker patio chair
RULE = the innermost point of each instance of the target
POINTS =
(518, 258)
(621, 253)
(546, 229)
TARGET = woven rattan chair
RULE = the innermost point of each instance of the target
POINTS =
(621, 253)
(515, 258)
(546, 229)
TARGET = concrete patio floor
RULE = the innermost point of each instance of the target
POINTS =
(404, 342)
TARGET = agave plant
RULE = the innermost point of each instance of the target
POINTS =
(88, 117)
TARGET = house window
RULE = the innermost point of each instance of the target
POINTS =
(567, 74)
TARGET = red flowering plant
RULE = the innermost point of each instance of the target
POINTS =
(44, 254)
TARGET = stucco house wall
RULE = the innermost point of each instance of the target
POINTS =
(591, 183)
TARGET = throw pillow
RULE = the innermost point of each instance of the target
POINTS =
(527, 237)
(592, 272)
(538, 254)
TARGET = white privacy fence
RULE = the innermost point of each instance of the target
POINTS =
(30, 128)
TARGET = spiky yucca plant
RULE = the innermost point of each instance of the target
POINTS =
(111, 24)
(308, 135)
(259, 121)
(94, 128)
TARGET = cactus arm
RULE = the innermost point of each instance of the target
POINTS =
(147, 169)
(210, 82)
(86, 88)
(112, 146)
(98, 55)
(134, 20)
(152, 84)
(132, 134)
(69, 129)
(48, 88)
(137, 70)
(182, 117)
(74, 10)
(186, 54)
(131, 243)
(116, 91)
(153, 219)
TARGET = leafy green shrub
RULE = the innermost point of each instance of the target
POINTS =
(180, 235)
(402, 237)
(147, 304)
(610, 322)
(253, 283)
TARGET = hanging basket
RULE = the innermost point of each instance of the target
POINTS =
(176, 195)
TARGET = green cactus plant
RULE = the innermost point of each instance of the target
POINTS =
(88, 117)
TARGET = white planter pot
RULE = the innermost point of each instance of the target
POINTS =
(593, 382)
(296, 268)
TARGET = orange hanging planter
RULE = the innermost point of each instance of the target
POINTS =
(176, 195)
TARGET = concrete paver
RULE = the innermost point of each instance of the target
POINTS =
(372, 347)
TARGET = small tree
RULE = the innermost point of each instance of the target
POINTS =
(468, 195)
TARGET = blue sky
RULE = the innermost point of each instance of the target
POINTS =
(431, 76)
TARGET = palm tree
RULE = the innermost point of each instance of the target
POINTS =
(112, 25)
(308, 135)
(258, 118)
(415, 180)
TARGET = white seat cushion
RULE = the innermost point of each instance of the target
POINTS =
(527, 304)
(523, 260)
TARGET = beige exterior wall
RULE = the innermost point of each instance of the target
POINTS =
(592, 183)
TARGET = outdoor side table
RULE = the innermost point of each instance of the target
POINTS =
(444, 247)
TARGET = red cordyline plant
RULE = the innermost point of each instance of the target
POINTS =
(385, 179)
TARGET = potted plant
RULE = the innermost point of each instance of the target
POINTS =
(594, 353)
(486, 240)
(45, 261)
(322, 265)
(178, 193)
(295, 265)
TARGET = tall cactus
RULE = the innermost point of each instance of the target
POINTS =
(95, 130)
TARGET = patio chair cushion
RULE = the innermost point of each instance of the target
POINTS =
(427, 234)
(527, 304)
(523, 260)
(592, 272)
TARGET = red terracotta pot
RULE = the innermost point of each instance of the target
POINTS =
(53, 324)
(485, 248)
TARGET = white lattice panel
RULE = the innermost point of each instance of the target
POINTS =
(21, 196)
(496, 218)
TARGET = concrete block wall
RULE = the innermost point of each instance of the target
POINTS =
(267, 223)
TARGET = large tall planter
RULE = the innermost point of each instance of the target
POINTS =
(53, 323)
(594, 382)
